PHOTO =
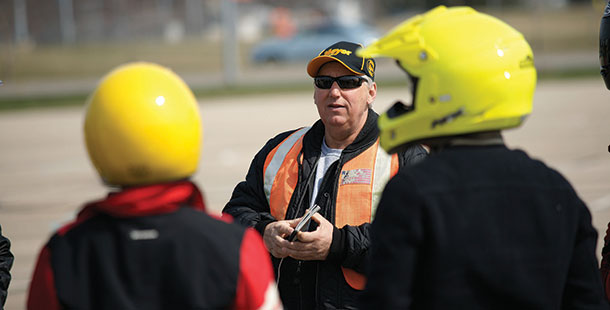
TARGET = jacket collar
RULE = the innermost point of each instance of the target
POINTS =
(147, 200)
(142, 201)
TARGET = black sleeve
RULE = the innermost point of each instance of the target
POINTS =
(583, 288)
(248, 204)
(350, 246)
(6, 262)
(412, 155)
(358, 242)
(397, 235)
(605, 265)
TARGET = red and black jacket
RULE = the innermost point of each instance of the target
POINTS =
(152, 247)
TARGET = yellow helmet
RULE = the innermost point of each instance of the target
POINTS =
(470, 73)
(142, 126)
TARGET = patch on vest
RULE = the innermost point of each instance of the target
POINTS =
(356, 176)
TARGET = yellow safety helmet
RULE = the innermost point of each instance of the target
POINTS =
(142, 126)
(470, 73)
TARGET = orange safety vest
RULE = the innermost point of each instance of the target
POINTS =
(360, 186)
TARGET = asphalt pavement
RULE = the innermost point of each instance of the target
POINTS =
(45, 175)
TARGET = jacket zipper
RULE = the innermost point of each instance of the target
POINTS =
(317, 299)
(297, 277)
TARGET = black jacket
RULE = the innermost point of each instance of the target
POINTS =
(313, 284)
(605, 264)
(6, 262)
(482, 228)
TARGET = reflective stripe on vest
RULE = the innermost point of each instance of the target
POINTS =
(287, 173)
(359, 186)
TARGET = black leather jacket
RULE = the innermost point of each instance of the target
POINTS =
(6, 262)
(482, 227)
(314, 284)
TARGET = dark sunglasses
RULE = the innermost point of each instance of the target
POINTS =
(345, 82)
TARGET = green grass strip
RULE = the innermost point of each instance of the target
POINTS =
(245, 90)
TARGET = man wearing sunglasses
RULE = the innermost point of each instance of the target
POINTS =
(337, 164)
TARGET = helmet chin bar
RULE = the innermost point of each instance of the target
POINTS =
(400, 107)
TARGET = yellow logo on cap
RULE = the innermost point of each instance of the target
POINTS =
(336, 51)
(370, 66)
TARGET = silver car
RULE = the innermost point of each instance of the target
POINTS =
(306, 44)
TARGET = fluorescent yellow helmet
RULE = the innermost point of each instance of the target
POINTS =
(142, 126)
(470, 73)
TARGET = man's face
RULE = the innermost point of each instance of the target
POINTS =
(343, 110)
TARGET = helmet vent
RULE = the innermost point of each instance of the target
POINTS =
(448, 118)
(423, 56)
(527, 62)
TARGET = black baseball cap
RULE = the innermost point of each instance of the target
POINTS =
(344, 53)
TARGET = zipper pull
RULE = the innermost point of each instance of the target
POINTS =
(297, 274)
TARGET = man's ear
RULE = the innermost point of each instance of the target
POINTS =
(372, 94)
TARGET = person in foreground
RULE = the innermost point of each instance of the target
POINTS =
(149, 244)
(476, 225)
(337, 164)
(6, 262)
(604, 59)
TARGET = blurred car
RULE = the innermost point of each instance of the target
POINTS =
(309, 43)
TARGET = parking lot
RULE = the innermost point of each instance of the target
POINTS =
(45, 174)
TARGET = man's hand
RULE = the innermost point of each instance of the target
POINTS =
(313, 245)
(275, 234)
